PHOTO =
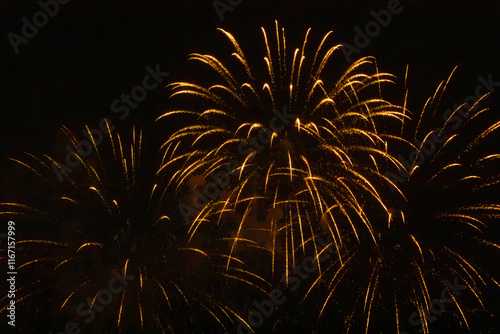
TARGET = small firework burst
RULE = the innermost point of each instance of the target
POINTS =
(109, 249)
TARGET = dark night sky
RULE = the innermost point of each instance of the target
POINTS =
(92, 51)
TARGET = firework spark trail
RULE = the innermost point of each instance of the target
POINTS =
(434, 142)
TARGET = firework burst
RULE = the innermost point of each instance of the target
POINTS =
(439, 233)
(109, 249)
(305, 147)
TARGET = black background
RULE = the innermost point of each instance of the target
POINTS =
(92, 51)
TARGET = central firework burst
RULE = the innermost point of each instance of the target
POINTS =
(300, 147)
